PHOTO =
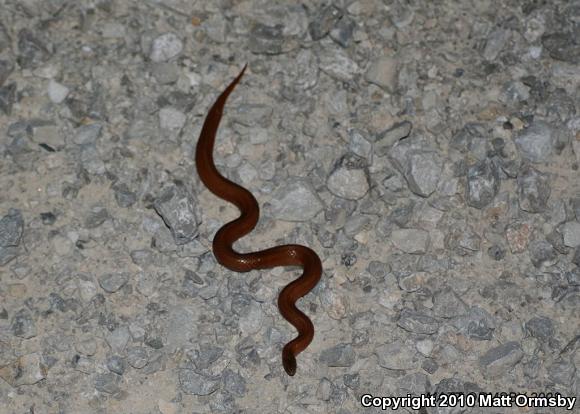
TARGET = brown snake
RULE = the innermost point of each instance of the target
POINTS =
(286, 255)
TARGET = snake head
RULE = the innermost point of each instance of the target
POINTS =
(289, 362)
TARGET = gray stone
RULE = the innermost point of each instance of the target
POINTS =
(23, 325)
(533, 189)
(414, 241)
(206, 355)
(341, 355)
(196, 384)
(295, 202)
(535, 143)
(165, 72)
(348, 180)
(171, 119)
(118, 338)
(270, 40)
(495, 43)
(501, 359)
(541, 328)
(175, 205)
(112, 282)
(417, 322)
(91, 160)
(11, 229)
(7, 97)
(386, 139)
(477, 324)
(31, 50)
(447, 304)
(5, 41)
(6, 68)
(323, 20)
(116, 364)
(107, 383)
(96, 217)
(26, 370)
(563, 46)
(397, 355)
(343, 30)
(57, 92)
(571, 234)
(137, 357)
(463, 241)
(123, 195)
(541, 253)
(165, 47)
(421, 167)
(338, 65)
(252, 115)
(234, 383)
(483, 184)
(216, 28)
(562, 372)
(383, 72)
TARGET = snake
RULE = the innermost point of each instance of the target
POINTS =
(228, 234)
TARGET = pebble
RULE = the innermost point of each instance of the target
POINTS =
(483, 184)
(383, 72)
(26, 370)
(535, 143)
(165, 47)
(171, 119)
(296, 201)
(113, 282)
(413, 241)
(57, 92)
(533, 189)
(501, 359)
(571, 233)
(341, 355)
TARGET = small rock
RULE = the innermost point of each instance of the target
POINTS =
(195, 384)
(6, 68)
(116, 364)
(137, 357)
(495, 43)
(57, 92)
(397, 355)
(323, 20)
(176, 206)
(23, 325)
(87, 134)
(518, 236)
(483, 184)
(26, 370)
(535, 143)
(562, 372)
(341, 355)
(417, 322)
(386, 139)
(165, 47)
(571, 234)
(107, 383)
(413, 241)
(383, 72)
(295, 202)
(541, 253)
(501, 359)
(11, 229)
(171, 119)
(533, 189)
(541, 328)
(348, 180)
(112, 282)
(338, 65)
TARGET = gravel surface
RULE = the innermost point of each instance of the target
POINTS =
(428, 151)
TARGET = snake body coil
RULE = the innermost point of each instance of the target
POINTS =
(286, 255)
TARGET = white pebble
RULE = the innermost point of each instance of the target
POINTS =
(57, 92)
